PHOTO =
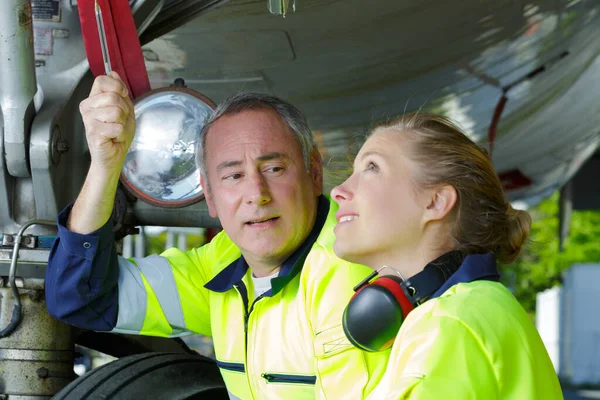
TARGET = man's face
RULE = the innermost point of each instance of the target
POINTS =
(258, 184)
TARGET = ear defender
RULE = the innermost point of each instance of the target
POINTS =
(375, 313)
(377, 310)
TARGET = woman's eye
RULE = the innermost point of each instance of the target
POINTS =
(372, 167)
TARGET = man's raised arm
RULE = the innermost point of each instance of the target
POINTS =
(82, 275)
(109, 121)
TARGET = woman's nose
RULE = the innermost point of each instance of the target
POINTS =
(341, 192)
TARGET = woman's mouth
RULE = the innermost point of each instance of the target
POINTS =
(347, 218)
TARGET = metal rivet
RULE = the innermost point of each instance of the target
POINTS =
(87, 245)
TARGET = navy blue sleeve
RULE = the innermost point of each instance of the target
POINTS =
(82, 277)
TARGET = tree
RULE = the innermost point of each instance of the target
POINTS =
(540, 265)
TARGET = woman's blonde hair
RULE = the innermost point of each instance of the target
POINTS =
(483, 220)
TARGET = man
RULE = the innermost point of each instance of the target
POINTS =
(269, 289)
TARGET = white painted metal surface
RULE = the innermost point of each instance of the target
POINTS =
(568, 323)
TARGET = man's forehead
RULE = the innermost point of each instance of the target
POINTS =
(257, 136)
(263, 117)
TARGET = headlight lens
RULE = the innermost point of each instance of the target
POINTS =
(160, 167)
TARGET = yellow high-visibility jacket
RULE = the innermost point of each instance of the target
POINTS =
(288, 344)
(475, 341)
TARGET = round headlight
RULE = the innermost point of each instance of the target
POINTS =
(160, 167)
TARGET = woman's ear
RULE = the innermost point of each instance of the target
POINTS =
(441, 202)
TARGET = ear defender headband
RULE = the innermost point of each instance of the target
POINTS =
(377, 310)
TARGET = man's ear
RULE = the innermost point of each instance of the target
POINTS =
(316, 170)
(208, 196)
(441, 202)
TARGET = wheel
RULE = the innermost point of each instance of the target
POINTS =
(168, 376)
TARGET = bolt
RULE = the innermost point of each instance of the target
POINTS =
(62, 146)
(9, 239)
(27, 240)
(42, 373)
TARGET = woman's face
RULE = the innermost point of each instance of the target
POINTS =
(381, 210)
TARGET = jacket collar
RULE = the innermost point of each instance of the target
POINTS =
(234, 272)
(475, 267)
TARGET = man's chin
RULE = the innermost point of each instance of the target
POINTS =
(267, 252)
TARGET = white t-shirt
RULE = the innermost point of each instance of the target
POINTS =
(263, 284)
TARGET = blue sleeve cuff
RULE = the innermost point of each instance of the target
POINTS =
(87, 245)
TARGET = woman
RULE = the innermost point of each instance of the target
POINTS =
(423, 194)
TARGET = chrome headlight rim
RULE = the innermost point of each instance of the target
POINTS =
(136, 192)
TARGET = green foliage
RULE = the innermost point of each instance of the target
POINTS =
(540, 265)
(156, 244)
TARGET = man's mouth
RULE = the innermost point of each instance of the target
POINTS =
(261, 221)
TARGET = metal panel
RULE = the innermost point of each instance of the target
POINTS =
(17, 74)
(586, 185)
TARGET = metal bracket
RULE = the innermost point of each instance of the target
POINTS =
(17, 311)
(281, 7)
(17, 74)
(29, 242)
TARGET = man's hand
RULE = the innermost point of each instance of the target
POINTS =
(109, 121)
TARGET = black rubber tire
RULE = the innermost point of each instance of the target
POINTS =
(168, 376)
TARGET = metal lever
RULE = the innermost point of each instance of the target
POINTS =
(17, 314)
(103, 43)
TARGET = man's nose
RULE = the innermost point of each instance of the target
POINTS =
(258, 192)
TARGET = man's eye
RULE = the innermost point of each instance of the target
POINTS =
(274, 169)
(232, 177)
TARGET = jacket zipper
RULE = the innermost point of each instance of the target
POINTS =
(284, 378)
(241, 288)
(248, 315)
(235, 367)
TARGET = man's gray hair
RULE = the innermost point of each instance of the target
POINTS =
(293, 118)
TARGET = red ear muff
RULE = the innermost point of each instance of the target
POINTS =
(377, 310)
(375, 313)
